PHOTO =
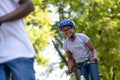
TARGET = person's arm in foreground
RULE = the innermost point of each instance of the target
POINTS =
(70, 62)
(93, 50)
(26, 7)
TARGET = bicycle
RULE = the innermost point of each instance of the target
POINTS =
(79, 66)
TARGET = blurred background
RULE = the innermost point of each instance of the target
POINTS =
(99, 19)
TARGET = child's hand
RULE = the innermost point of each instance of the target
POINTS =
(68, 72)
(93, 59)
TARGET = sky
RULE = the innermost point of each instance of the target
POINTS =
(57, 74)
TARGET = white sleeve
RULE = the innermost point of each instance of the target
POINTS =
(84, 37)
(65, 46)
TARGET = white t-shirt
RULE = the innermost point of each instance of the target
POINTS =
(14, 41)
(78, 47)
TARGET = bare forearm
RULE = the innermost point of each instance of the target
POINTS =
(70, 64)
(22, 11)
(94, 53)
(92, 49)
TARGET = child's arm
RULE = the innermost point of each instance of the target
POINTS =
(93, 50)
(70, 62)
(26, 6)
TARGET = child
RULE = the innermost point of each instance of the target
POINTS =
(79, 48)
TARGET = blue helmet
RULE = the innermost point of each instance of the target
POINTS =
(66, 23)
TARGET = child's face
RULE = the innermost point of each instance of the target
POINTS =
(67, 31)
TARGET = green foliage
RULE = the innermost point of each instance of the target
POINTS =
(40, 30)
(99, 19)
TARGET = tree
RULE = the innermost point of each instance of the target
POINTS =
(99, 19)
(40, 31)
